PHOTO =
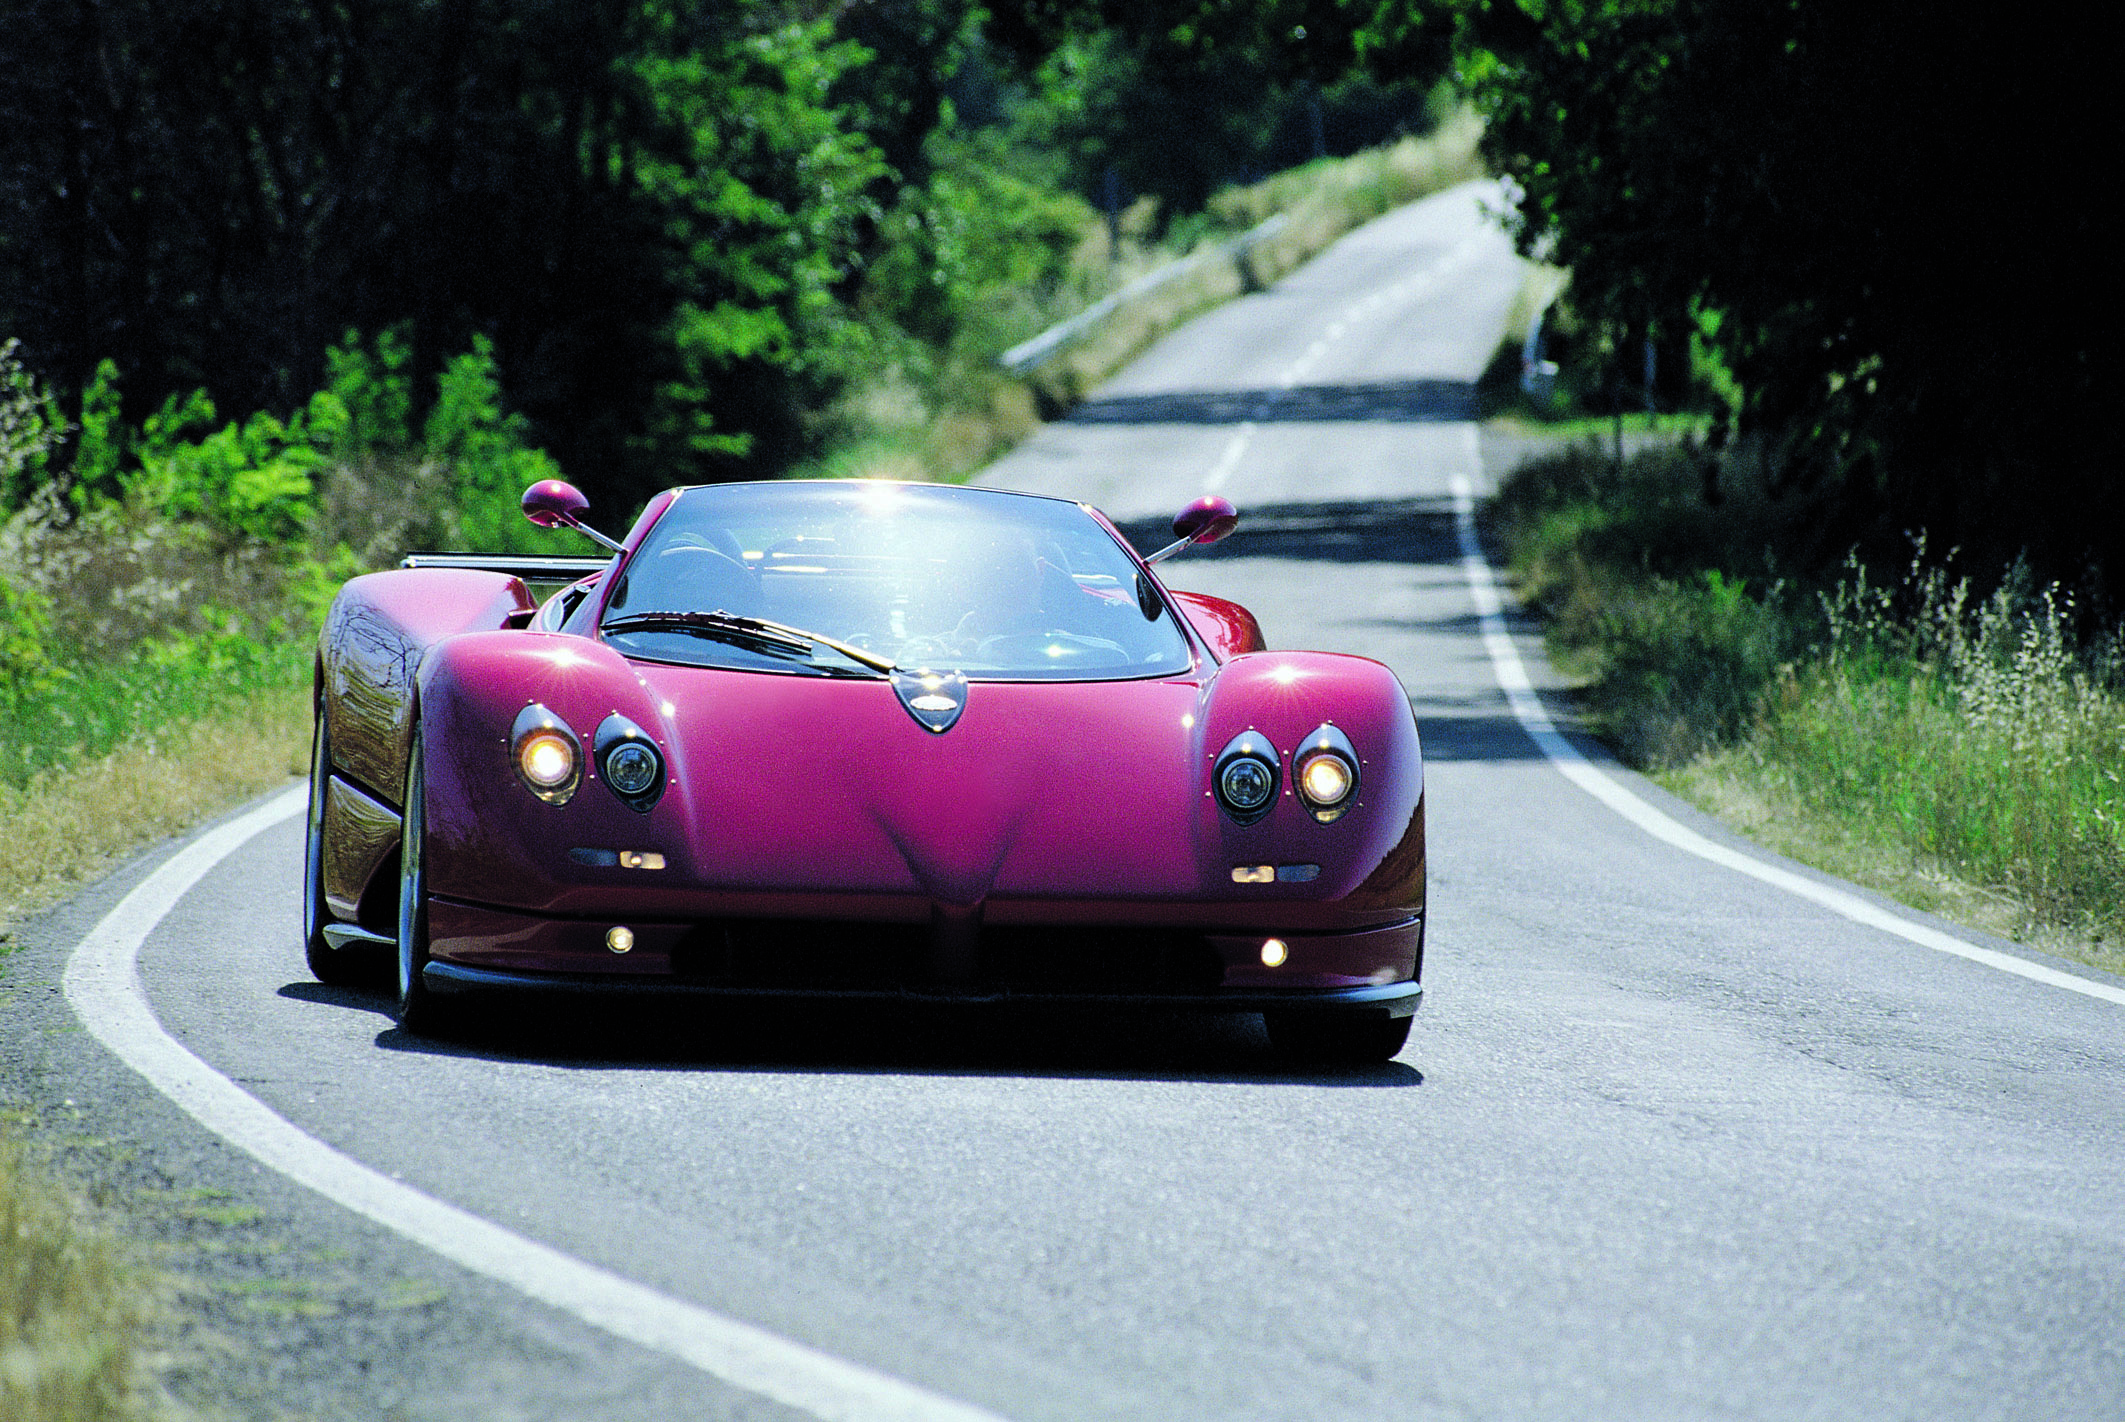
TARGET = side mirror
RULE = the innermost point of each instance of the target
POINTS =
(555, 503)
(1207, 520)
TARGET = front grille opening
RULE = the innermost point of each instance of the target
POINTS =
(1098, 960)
(802, 953)
(826, 955)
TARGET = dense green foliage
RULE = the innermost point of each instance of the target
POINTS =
(685, 230)
(648, 209)
(1965, 725)
(1871, 217)
(179, 565)
(1872, 209)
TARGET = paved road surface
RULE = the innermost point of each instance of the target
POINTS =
(1665, 1143)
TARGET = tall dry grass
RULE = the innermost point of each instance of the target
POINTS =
(1956, 743)
(69, 1309)
(70, 826)
(1976, 734)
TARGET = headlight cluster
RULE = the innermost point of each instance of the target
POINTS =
(549, 758)
(1247, 772)
(1327, 771)
(630, 762)
(1324, 774)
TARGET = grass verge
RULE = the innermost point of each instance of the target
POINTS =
(70, 1305)
(69, 1313)
(1957, 744)
(70, 825)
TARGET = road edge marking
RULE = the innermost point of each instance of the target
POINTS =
(1527, 708)
(103, 986)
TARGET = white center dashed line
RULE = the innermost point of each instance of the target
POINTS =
(1229, 460)
(1408, 289)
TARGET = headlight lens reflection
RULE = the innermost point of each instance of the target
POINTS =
(1327, 773)
(1326, 781)
(547, 760)
(631, 767)
(1247, 783)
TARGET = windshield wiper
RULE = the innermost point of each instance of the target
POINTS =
(728, 626)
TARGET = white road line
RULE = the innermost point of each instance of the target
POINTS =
(1230, 459)
(1409, 288)
(103, 984)
(1527, 709)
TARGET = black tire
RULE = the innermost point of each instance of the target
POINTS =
(1336, 1038)
(418, 1011)
(335, 966)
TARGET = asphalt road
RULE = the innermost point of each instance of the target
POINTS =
(1666, 1142)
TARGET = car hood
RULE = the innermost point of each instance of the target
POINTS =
(1038, 789)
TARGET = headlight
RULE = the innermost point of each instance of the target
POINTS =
(547, 756)
(1247, 783)
(1246, 777)
(631, 768)
(629, 761)
(1327, 773)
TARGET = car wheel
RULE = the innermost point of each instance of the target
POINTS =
(1336, 1038)
(327, 964)
(418, 1010)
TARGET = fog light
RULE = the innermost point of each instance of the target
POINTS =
(1274, 953)
(621, 939)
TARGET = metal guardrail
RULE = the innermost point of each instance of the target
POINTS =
(1027, 354)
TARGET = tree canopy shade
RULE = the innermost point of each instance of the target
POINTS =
(1880, 215)
(646, 206)
(1884, 212)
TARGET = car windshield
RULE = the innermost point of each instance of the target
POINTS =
(999, 587)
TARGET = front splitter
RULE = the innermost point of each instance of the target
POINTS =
(455, 979)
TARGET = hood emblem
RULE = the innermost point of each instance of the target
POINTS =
(933, 698)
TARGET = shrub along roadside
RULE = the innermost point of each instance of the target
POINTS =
(1959, 745)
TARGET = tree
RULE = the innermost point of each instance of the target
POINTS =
(646, 207)
(1881, 208)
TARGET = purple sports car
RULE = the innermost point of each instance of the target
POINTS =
(864, 741)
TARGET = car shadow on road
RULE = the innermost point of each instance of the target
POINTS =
(911, 1037)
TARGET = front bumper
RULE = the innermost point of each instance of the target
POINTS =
(474, 949)
(453, 979)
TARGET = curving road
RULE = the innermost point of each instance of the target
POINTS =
(1668, 1141)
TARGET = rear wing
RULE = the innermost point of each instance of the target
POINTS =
(530, 569)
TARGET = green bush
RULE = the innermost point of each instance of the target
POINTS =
(162, 572)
